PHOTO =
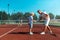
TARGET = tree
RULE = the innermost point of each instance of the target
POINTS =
(3, 15)
(17, 16)
(13, 17)
(9, 17)
(26, 15)
(0, 15)
(57, 16)
(35, 17)
(51, 16)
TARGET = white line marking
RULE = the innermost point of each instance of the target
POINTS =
(8, 32)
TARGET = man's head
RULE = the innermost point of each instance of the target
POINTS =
(32, 14)
(39, 11)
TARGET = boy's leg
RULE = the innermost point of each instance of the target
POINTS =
(30, 29)
(31, 26)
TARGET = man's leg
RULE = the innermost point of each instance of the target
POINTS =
(45, 28)
(49, 29)
(46, 25)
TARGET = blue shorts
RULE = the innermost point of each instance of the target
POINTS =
(31, 25)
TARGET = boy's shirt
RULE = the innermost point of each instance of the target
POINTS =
(30, 19)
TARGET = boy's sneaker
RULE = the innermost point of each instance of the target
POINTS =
(42, 33)
(31, 33)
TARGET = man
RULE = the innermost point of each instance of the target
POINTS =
(30, 19)
(47, 19)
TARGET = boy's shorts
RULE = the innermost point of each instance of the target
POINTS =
(47, 22)
(31, 25)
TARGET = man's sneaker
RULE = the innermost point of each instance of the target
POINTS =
(42, 33)
(31, 33)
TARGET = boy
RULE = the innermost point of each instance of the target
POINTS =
(47, 19)
(30, 19)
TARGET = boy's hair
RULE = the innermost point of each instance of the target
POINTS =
(31, 13)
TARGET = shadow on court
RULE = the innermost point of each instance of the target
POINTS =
(33, 32)
(54, 35)
(23, 33)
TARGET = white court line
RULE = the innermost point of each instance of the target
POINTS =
(7, 32)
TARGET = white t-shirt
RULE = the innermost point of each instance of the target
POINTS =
(43, 15)
(30, 19)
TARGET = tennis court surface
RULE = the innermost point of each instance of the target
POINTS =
(15, 32)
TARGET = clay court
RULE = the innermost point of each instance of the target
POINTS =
(15, 32)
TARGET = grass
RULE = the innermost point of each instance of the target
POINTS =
(55, 24)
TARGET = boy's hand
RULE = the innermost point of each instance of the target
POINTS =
(34, 21)
(21, 24)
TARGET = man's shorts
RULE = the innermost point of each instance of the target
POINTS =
(47, 22)
(31, 25)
